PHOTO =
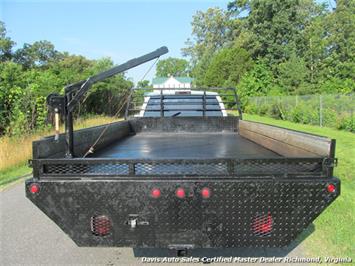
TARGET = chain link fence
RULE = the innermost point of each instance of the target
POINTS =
(335, 111)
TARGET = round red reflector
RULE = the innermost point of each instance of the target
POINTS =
(180, 193)
(34, 188)
(206, 193)
(155, 193)
(331, 188)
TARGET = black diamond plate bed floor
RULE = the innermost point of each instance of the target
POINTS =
(185, 146)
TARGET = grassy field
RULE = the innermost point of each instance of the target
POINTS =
(15, 151)
(334, 233)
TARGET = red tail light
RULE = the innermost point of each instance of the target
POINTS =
(34, 188)
(180, 193)
(155, 193)
(100, 225)
(331, 188)
(205, 193)
(262, 224)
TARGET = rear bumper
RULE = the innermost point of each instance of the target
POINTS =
(244, 212)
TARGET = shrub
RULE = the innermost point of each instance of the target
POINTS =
(346, 122)
(336, 110)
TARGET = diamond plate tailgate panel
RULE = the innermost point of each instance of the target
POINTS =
(247, 212)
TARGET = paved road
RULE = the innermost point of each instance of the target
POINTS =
(28, 237)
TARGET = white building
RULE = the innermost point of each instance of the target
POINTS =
(172, 82)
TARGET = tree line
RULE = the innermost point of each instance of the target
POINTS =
(261, 47)
(279, 47)
(276, 48)
(29, 74)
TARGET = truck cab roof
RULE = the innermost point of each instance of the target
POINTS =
(179, 92)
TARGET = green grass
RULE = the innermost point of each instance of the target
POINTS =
(334, 233)
(13, 174)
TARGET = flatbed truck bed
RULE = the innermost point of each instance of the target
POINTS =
(185, 146)
(185, 182)
(180, 173)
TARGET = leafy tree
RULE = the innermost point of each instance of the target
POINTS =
(71, 68)
(258, 81)
(341, 41)
(107, 97)
(335, 85)
(10, 91)
(143, 84)
(6, 44)
(304, 44)
(38, 54)
(29, 74)
(22, 97)
(227, 67)
(172, 67)
(292, 75)
(43, 82)
(200, 69)
(277, 26)
(210, 30)
(316, 52)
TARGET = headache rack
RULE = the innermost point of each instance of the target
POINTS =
(189, 101)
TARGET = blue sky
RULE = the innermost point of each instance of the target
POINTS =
(119, 29)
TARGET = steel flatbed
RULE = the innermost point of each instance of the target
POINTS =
(181, 179)
(185, 146)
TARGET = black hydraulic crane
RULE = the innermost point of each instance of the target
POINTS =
(73, 93)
